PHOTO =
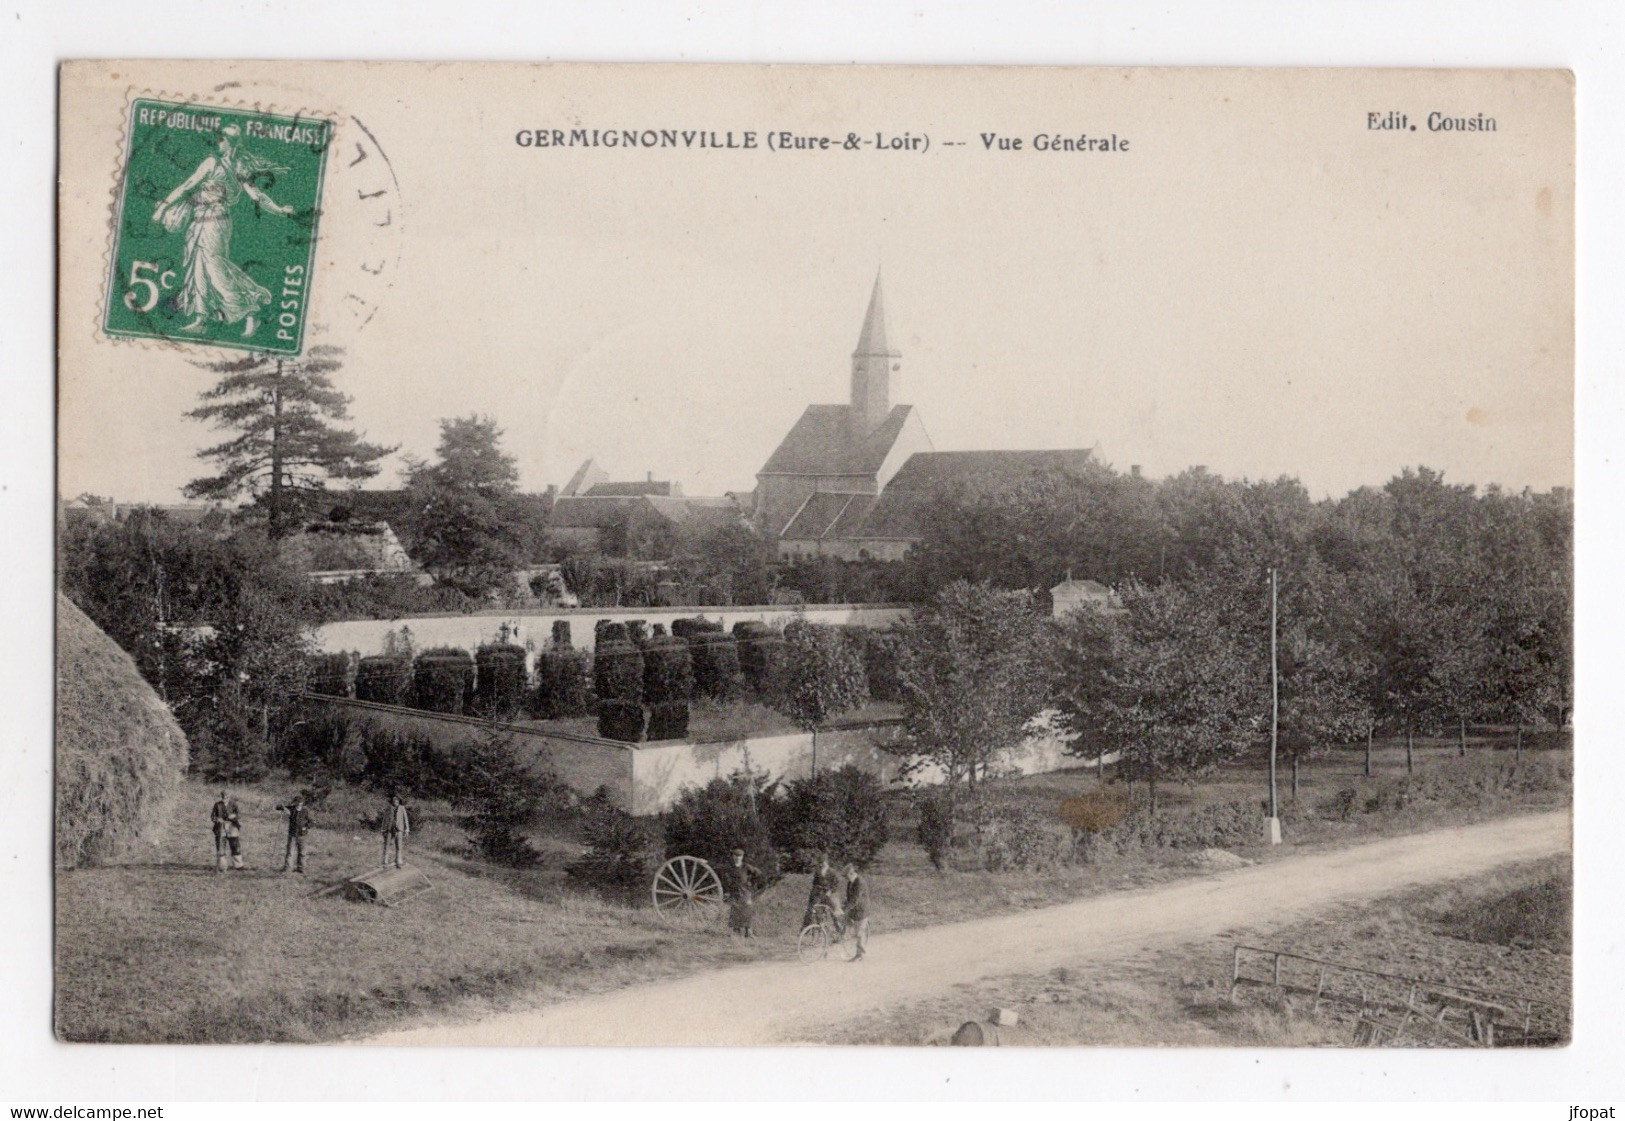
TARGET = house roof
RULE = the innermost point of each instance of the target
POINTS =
(1088, 587)
(817, 516)
(588, 475)
(822, 442)
(598, 511)
(579, 511)
(634, 489)
(985, 471)
(700, 512)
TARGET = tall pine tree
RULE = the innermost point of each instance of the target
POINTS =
(288, 443)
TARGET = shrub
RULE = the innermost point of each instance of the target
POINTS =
(563, 684)
(842, 812)
(230, 744)
(668, 721)
(1090, 814)
(668, 671)
(711, 821)
(409, 764)
(499, 683)
(684, 628)
(384, 679)
(758, 653)
(881, 657)
(442, 680)
(621, 853)
(1022, 838)
(935, 828)
(314, 743)
(620, 720)
(329, 675)
(503, 793)
(561, 632)
(605, 631)
(637, 632)
(617, 672)
(715, 660)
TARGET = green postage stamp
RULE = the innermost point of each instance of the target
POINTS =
(215, 232)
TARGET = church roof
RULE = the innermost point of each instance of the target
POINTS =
(985, 471)
(872, 340)
(822, 443)
(818, 515)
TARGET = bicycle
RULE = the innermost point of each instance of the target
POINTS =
(815, 938)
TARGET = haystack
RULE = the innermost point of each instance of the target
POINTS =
(119, 753)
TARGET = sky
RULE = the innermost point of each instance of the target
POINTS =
(1261, 284)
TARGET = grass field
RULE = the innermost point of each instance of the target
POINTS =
(160, 948)
(1455, 935)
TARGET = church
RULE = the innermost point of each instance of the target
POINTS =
(850, 481)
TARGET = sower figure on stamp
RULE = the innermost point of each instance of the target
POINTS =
(825, 882)
(742, 881)
(298, 825)
(228, 832)
(214, 287)
(857, 910)
(397, 824)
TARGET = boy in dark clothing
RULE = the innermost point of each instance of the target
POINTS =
(825, 882)
(857, 909)
(397, 826)
(298, 825)
(228, 833)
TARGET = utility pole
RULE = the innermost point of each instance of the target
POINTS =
(1274, 824)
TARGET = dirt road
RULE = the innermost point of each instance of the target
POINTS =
(783, 1002)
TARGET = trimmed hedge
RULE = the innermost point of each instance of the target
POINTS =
(563, 684)
(617, 672)
(604, 631)
(384, 679)
(637, 632)
(684, 628)
(882, 651)
(499, 682)
(760, 652)
(442, 680)
(620, 720)
(668, 721)
(715, 660)
(329, 675)
(561, 632)
(668, 671)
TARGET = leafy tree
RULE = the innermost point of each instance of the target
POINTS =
(820, 677)
(842, 813)
(466, 516)
(285, 412)
(1184, 694)
(971, 676)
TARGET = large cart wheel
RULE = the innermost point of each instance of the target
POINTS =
(687, 892)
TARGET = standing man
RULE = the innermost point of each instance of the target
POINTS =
(298, 825)
(397, 824)
(228, 832)
(741, 882)
(824, 884)
(857, 909)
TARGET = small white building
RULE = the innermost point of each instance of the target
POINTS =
(1072, 595)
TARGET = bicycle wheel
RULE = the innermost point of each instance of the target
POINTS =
(813, 945)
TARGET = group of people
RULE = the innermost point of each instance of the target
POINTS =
(226, 822)
(849, 910)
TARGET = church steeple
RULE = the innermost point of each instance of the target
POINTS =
(872, 365)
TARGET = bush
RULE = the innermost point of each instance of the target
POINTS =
(561, 633)
(1090, 814)
(620, 720)
(442, 680)
(230, 745)
(329, 675)
(882, 651)
(563, 684)
(384, 679)
(314, 743)
(637, 632)
(668, 721)
(935, 828)
(617, 671)
(503, 794)
(715, 660)
(842, 813)
(408, 764)
(668, 671)
(621, 853)
(711, 821)
(1022, 838)
(605, 631)
(685, 628)
(499, 683)
(758, 653)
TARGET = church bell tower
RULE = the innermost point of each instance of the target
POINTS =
(873, 364)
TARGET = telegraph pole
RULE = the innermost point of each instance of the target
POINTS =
(1274, 823)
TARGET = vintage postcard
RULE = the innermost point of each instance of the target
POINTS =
(759, 555)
